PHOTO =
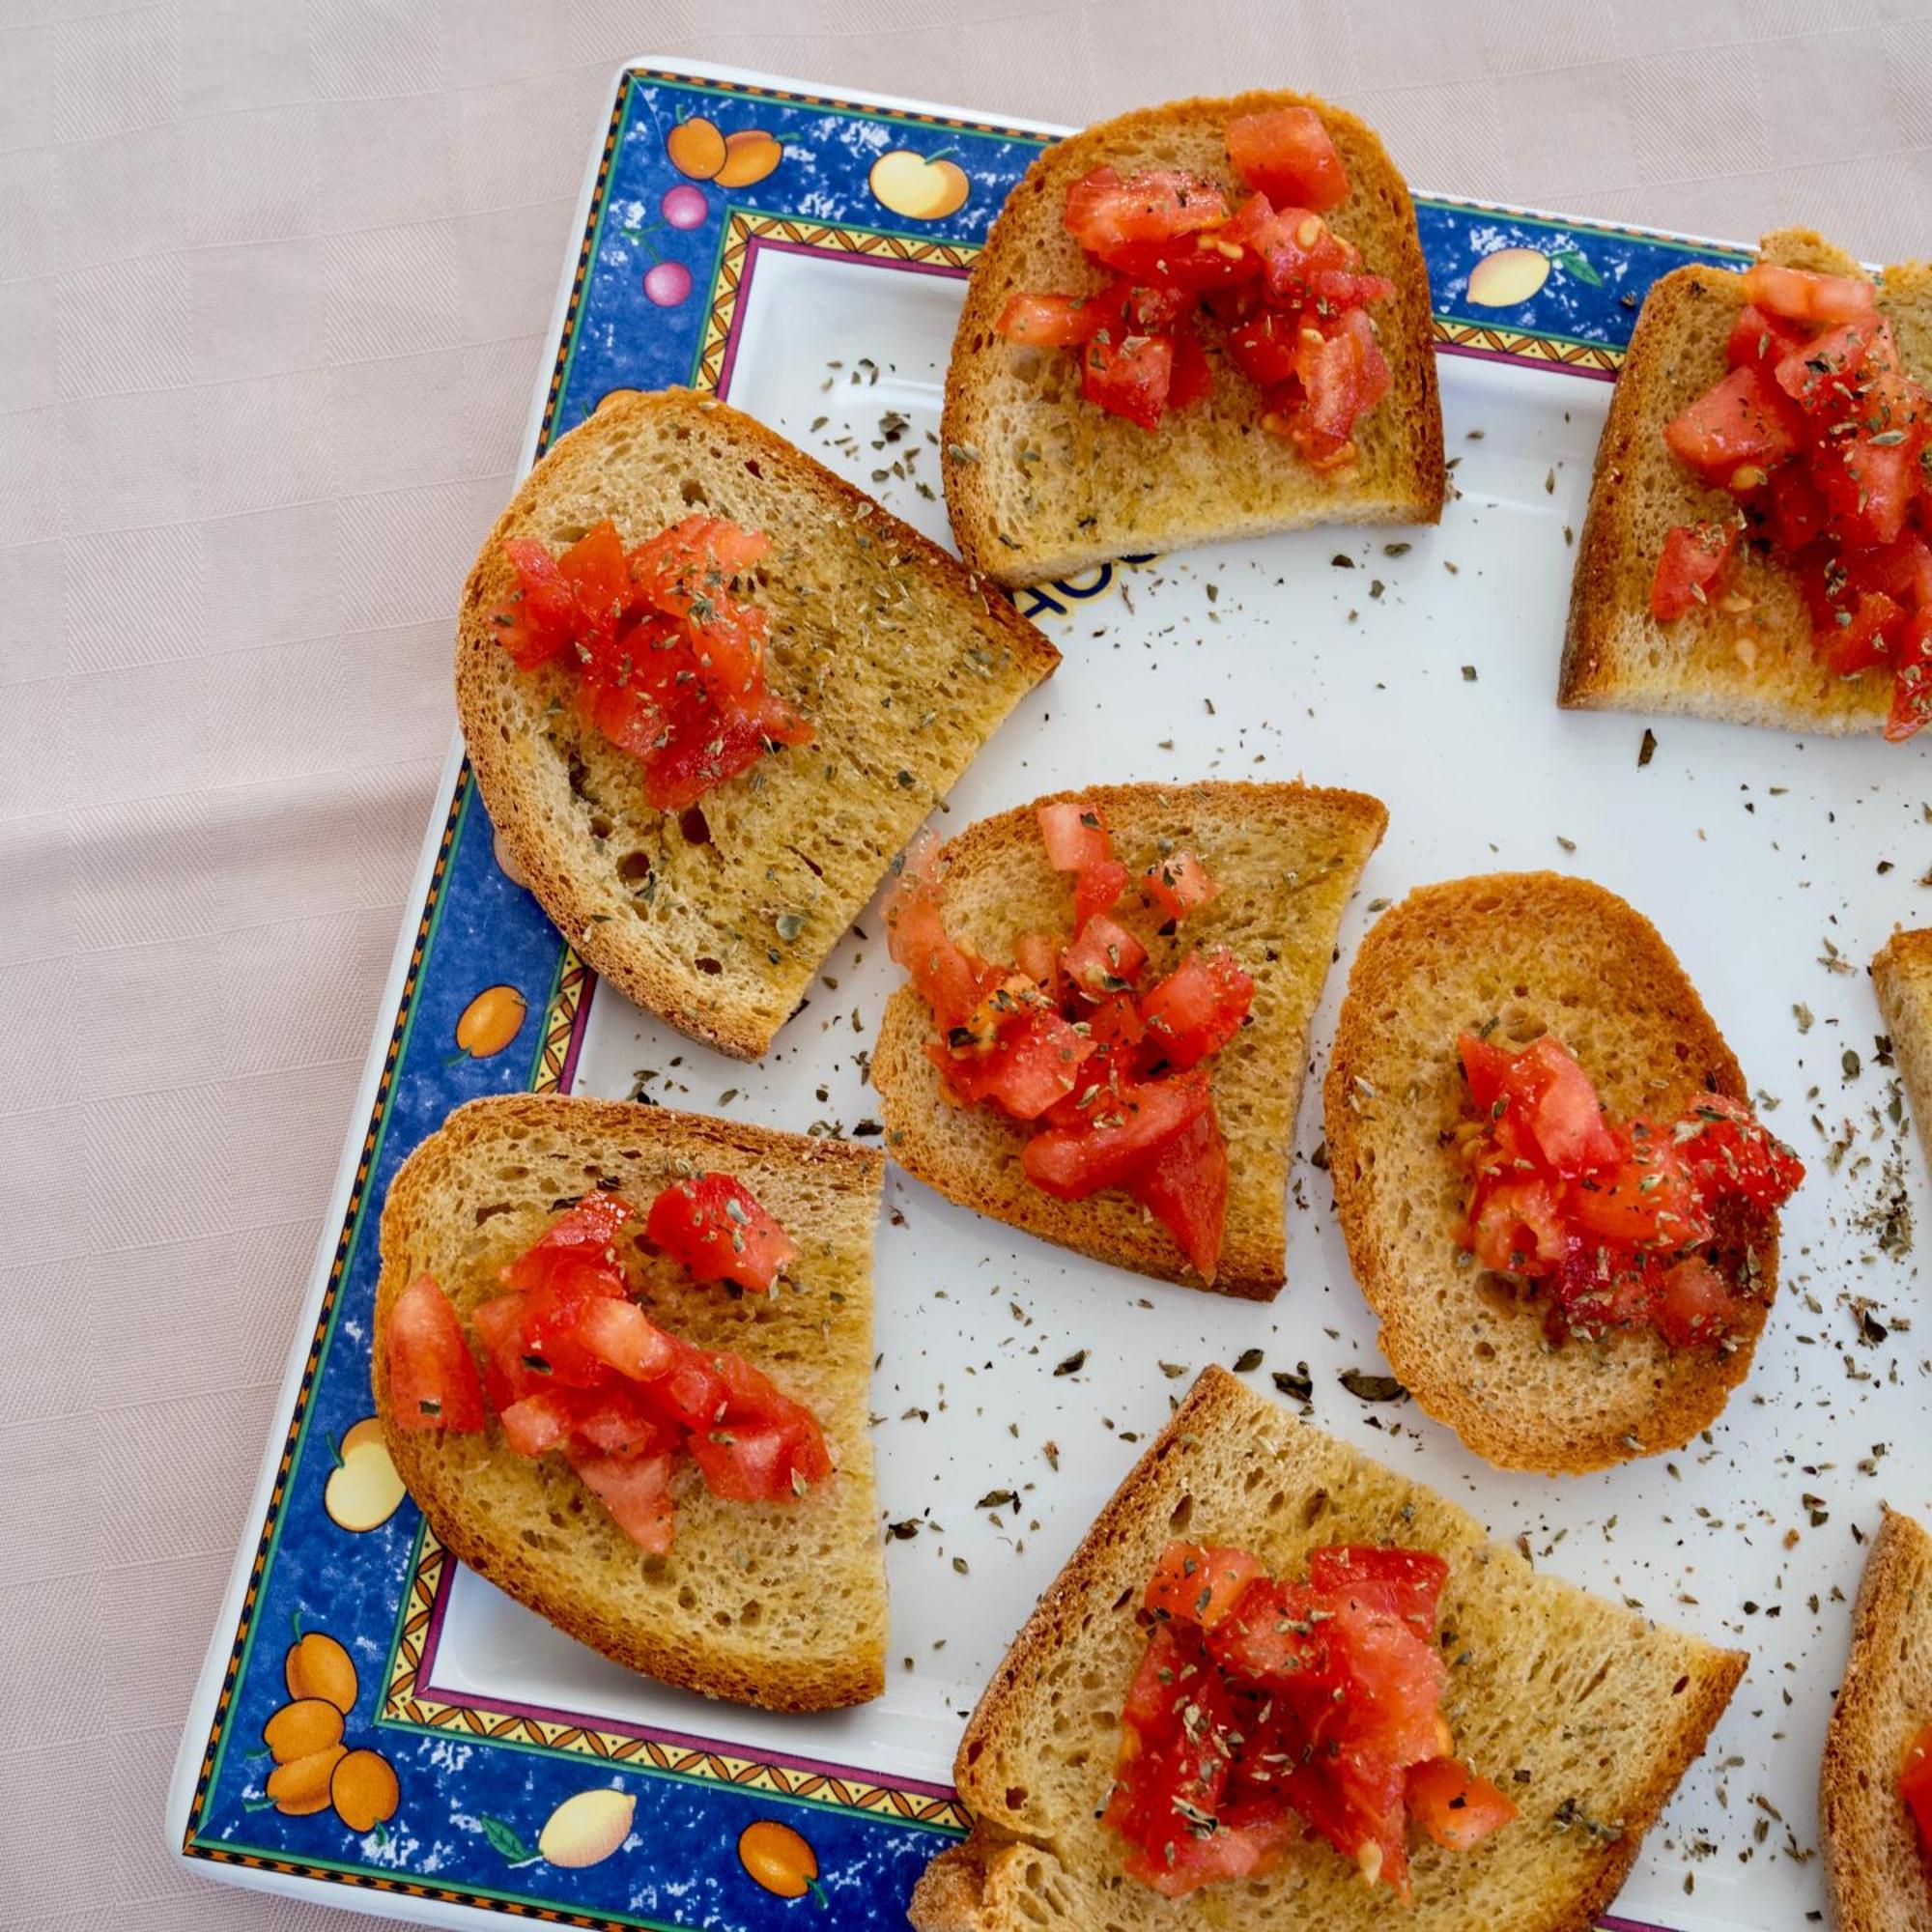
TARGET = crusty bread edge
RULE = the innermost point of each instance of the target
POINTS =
(1217, 1394)
(570, 909)
(832, 1684)
(1249, 1270)
(1850, 1745)
(1526, 1447)
(1409, 313)
(1911, 1032)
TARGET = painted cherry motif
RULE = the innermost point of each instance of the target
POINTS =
(684, 207)
(669, 283)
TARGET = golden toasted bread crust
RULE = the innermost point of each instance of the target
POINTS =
(1535, 951)
(1008, 1877)
(1331, 831)
(1902, 979)
(1749, 658)
(593, 912)
(450, 1476)
(1880, 1880)
(1400, 478)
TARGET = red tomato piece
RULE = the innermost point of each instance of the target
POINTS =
(433, 1378)
(554, 1314)
(537, 624)
(1820, 374)
(1556, 1103)
(1198, 1007)
(623, 1337)
(1264, 347)
(1730, 1152)
(1038, 956)
(1797, 508)
(1277, 1635)
(1800, 295)
(1455, 1806)
(1070, 1164)
(1184, 1186)
(599, 576)
(715, 1226)
(1914, 1783)
(1192, 378)
(1128, 377)
(945, 975)
(1103, 958)
(1694, 1305)
(507, 1376)
(586, 1231)
(540, 1422)
(636, 1491)
(1074, 834)
(1097, 889)
(1867, 487)
(1687, 571)
(1865, 636)
(1343, 375)
(615, 1422)
(1048, 321)
(1735, 433)
(1759, 338)
(1518, 1226)
(1405, 1583)
(1289, 156)
(1034, 1065)
(1178, 883)
(1200, 1583)
(1106, 213)
(1647, 1199)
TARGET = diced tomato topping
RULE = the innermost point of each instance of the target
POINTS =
(637, 1491)
(670, 662)
(1800, 295)
(1029, 1068)
(539, 1421)
(507, 1376)
(1455, 1806)
(1911, 690)
(1289, 156)
(1070, 1164)
(1693, 560)
(1914, 1785)
(433, 1378)
(1265, 1708)
(1073, 834)
(1200, 1583)
(1609, 1218)
(624, 1338)
(1103, 958)
(1198, 1007)
(1735, 433)
(715, 1228)
(1759, 338)
(1184, 1186)
(1292, 292)
(1178, 884)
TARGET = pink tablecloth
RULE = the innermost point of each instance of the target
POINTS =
(273, 279)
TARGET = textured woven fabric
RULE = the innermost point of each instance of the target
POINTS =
(273, 281)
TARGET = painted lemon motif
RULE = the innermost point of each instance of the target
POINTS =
(318, 1669)
(696, 148)
(1509, 276)
(919, 186)
(363, 1789)
(584, 1830)
(363, 1489)
(750, 155)
(777, 1859)
(491, 1021)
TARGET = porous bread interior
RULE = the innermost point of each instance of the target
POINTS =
(1286, 857)
(1584, 1713)
(1533, 951)
(1754, 665)
(718, 919)
(1041, 483)
(1902, 977)
(1878, 1872)
(778, 1603)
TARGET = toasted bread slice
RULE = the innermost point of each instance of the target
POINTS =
(1877, 1873)
(781, 1605)
(717, 919)
(1041, 483)
(1286, 857)
(1752, 664)
(1535, 953)
(1584, 1713)
(1902, 977)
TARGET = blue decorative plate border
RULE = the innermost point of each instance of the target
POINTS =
(493, 1001)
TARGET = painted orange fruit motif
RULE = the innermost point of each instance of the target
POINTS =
(300, 1788)
(696, 148)
(363, 1789)
(491, 1021)
(750, 155)
(302, 1730)
(777, 1857)
(317, 1668)
(921, 187)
